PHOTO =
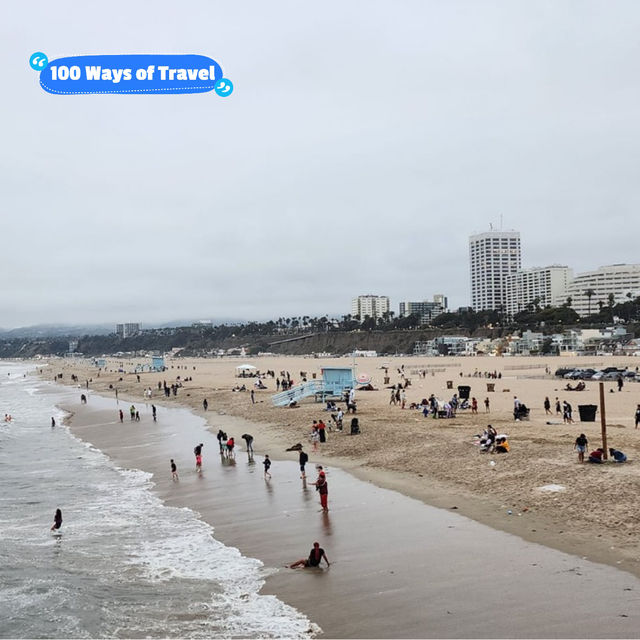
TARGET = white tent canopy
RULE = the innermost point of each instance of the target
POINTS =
(245, 367)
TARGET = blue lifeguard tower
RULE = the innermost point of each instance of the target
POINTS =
(157, 363)
(334, 381)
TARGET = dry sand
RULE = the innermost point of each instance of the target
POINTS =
(595, 516)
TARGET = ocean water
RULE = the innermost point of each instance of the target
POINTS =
(124, 564)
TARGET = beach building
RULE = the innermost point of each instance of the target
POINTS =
(592, 289)
(426, 309)
(128, 329)
(369, 305)
(544, 286)
(492, 257)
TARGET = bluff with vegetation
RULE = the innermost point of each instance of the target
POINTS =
(304, 334)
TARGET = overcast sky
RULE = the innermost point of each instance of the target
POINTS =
(363, 144)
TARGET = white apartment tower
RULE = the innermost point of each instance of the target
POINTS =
(588, 291)
(369, 305)
(493, 256)
(545, 285)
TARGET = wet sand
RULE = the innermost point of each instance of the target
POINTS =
(400, 568)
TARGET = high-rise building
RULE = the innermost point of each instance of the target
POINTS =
(128, 329)
(546, 286)
(591, 290)
(369, 305)
(426, 309)
(492, 256)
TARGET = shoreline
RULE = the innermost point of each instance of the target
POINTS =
(360, 596)
(544, 519)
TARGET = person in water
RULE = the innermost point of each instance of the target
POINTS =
(57, 521)
(174, 471)
(315, 556)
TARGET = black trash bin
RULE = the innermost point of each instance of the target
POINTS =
(355, 427)
(587, 412)
(464, 392)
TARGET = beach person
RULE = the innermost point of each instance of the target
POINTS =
(502, 445)
(620, 383)
(248, 438)
(221, 436)
(474, 405)
(198, 462)
(132, 413)
(83, 398)
(205, 404)
(267, 465)
(637, 416)
(322, 488)
(231, 443)
(339, 417)
(486, 405)
(53, 421)
(581, 446)
(315, 438)
(392, 400)
(137, 416)
(303, 459)
(315, 556)
(547, 406)
(57, 520)
(153, 412)
(253, 398)
(174, 471)
(566, 412)
(403, 399)
(197, 450)
(617, 456)
(596, 456)
(322, 431)
(121, 415)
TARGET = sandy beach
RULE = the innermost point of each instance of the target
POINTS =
(436, 462)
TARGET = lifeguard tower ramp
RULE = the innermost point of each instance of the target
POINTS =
(334, 381)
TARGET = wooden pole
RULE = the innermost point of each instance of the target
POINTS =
(603, 423)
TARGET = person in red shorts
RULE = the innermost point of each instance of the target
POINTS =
(323, 489)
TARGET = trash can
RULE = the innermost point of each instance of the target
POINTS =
(587, 412)
(386, 380)
(491, 386)
(464, 391)
(449, 384)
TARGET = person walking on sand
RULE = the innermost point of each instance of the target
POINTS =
(392, 400)
(57, 520)
(121, 415)
(322, 488)
(547, 405)
(267, 465)
(315, 556)
(581, 446)
(637, 416)
(558, 407)
(403, 399)
(303, 459)
(174, 471)
(486, 405)
(253, 397)
(474, 406)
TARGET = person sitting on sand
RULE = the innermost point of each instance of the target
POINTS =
(596, 456)
(617, 456)
(315, 556)
(502, 445)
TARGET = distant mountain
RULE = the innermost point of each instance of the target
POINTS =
(56, 330)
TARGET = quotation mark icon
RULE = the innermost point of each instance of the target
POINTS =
(223, 87)
(38, 61)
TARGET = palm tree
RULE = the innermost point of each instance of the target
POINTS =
(589, 293)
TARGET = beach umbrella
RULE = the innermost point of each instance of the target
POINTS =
(245, 367)
(363, 378)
